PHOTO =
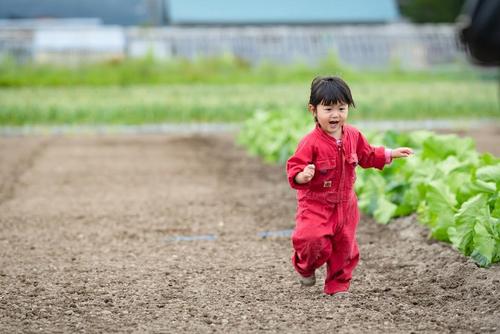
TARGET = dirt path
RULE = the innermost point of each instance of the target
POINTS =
(86, 228)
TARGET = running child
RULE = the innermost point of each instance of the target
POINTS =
(322, 170)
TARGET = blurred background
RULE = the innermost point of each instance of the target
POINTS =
(373, 34)
(133, 62)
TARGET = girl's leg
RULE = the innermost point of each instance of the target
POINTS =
(345, 253)
(310, 252)
(340, 266)
(311, 239)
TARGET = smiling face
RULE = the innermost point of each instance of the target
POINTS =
(329, 103)
(331, 118)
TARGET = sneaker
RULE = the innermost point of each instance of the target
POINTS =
(341, 294)
(307, 281)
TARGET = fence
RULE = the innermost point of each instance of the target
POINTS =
(359, 46)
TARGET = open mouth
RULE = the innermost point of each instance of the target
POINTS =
(333, 122)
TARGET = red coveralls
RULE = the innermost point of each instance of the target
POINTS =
(327, 210)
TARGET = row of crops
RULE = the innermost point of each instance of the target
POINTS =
(236, 102)
(452, 188)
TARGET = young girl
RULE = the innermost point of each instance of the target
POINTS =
(323, 171)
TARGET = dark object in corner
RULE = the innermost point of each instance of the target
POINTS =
(479, 31)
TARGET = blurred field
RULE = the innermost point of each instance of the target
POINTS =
(227, 89)
(225, 69)
(143, 104)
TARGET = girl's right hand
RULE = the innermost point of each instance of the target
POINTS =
(306, 175)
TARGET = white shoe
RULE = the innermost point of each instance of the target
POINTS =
(307, 281)
(341, 294)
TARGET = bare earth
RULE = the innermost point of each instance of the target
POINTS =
(86, 228)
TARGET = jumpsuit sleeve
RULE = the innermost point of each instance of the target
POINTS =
(370, 156)
(298, 161)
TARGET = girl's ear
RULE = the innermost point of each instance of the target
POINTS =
(311, 108)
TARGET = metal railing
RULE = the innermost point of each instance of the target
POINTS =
(376, 46)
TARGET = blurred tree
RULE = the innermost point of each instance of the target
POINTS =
(430, 11)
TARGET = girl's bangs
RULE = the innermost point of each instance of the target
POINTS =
(330, 95)
(331, 101)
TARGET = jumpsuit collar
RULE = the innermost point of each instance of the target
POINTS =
(323, 134)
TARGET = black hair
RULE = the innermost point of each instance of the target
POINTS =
(330, 90)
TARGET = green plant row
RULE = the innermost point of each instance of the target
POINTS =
(237, 102)
(226, 69)
(453, 189)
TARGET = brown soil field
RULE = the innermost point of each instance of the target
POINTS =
(88, 228)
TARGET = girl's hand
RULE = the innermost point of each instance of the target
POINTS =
(306, 175)
(401, 152)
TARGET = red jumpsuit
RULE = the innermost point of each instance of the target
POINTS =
(327, 210)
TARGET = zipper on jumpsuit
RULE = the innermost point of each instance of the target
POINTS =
(340, 223)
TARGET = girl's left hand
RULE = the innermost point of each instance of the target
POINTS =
(401, 152)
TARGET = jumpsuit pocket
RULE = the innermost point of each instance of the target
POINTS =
(324, 166)
(352, 163)
(324, 174)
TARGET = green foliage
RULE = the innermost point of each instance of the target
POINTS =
(272, 137)
(225, 89)
(431, 11)
(475, 232)
(226, 69)
(453, 189)
(237, 102)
